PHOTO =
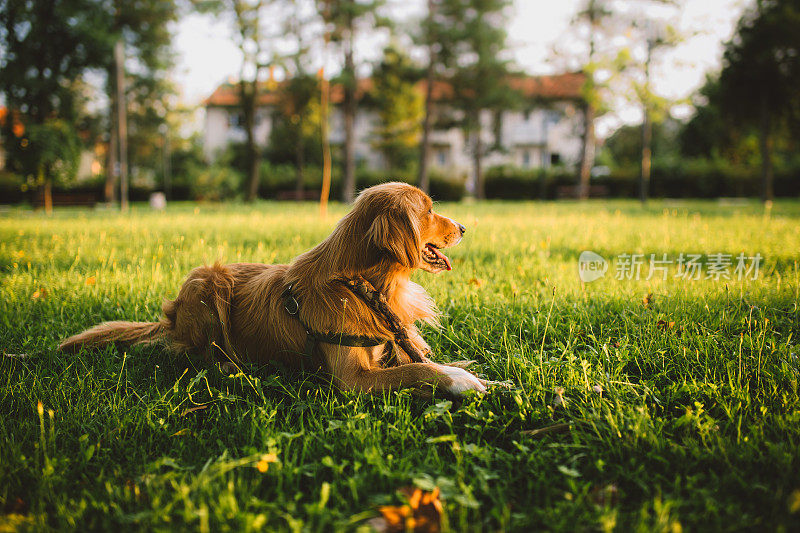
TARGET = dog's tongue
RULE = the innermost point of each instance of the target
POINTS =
(441, 256)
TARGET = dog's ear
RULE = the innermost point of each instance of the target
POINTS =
(394, 232)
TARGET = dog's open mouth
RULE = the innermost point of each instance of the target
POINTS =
(432, 255)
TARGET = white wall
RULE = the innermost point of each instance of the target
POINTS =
(220, 129)
(540, 133)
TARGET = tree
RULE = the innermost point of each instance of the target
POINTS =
(429, 38)
(591, 20)
(760, 75)
(48, 45)
(296, 127)
(344, 18)
(651, 35)
(624, 147)
(399, 106)
(711, 133)
(143, 29)
(472, 41)
(299, 110)
(249, 18)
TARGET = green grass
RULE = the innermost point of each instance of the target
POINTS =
(698, 424)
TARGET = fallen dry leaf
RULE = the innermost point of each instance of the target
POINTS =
(193, 409)
(663, 325)
(91, 280)
(559, 400)
(647, 300)
(16, 506)
(40, 294)
(604, 496)
(182, 432)
(477, 282)
(16, 355)
(547, 430)
(422, 513)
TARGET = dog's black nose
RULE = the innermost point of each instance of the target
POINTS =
(462, 228)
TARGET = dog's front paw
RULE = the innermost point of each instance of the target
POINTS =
(461, 380)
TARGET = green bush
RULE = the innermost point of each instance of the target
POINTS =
(12, 188)
(513, 183)
(445, 188)
(670, 178)
(215, 182)
(277, 179)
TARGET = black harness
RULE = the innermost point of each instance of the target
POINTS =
(292, 306)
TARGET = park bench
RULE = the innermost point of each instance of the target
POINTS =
(571, 191)
(292, 195)
(66, 198)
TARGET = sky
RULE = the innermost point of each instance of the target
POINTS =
(208, 56)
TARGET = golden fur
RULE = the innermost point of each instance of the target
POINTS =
(240, 308)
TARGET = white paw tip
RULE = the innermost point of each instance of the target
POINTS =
(462, 380)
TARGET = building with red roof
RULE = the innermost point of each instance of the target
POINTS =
(544, 132)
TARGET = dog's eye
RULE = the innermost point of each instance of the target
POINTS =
(430, 211)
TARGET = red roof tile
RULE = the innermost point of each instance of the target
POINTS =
(556, 87)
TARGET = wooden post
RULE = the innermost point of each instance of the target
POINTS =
(122, 124)
(167, 164)
(324, 97)
(326, 146)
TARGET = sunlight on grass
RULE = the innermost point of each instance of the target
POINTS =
(676, 401)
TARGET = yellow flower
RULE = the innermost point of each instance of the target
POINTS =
(266, 459)
(794, 501)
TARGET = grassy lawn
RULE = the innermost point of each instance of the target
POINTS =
(681, 395)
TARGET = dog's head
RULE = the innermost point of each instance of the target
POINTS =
(402, 226)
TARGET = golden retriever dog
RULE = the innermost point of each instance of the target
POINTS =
(242, 308)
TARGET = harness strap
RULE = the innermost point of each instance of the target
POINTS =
(292, 306)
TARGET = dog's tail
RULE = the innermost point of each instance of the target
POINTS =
(114, 332)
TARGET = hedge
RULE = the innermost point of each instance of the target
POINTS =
(683, 179)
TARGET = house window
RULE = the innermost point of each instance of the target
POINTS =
(555, 159)
(526, 115)
(235, 120)
(526, 159)
(553, 117)
(441, 157)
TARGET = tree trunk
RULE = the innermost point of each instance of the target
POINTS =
(349, 104)
(765, 144)
(48, 196)
(647, 131)
(587, 154)
(122, 124)
(299, 157)
(480, 192)
(110, 189)
(647, 137)
(423, 179)
(248, 90)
